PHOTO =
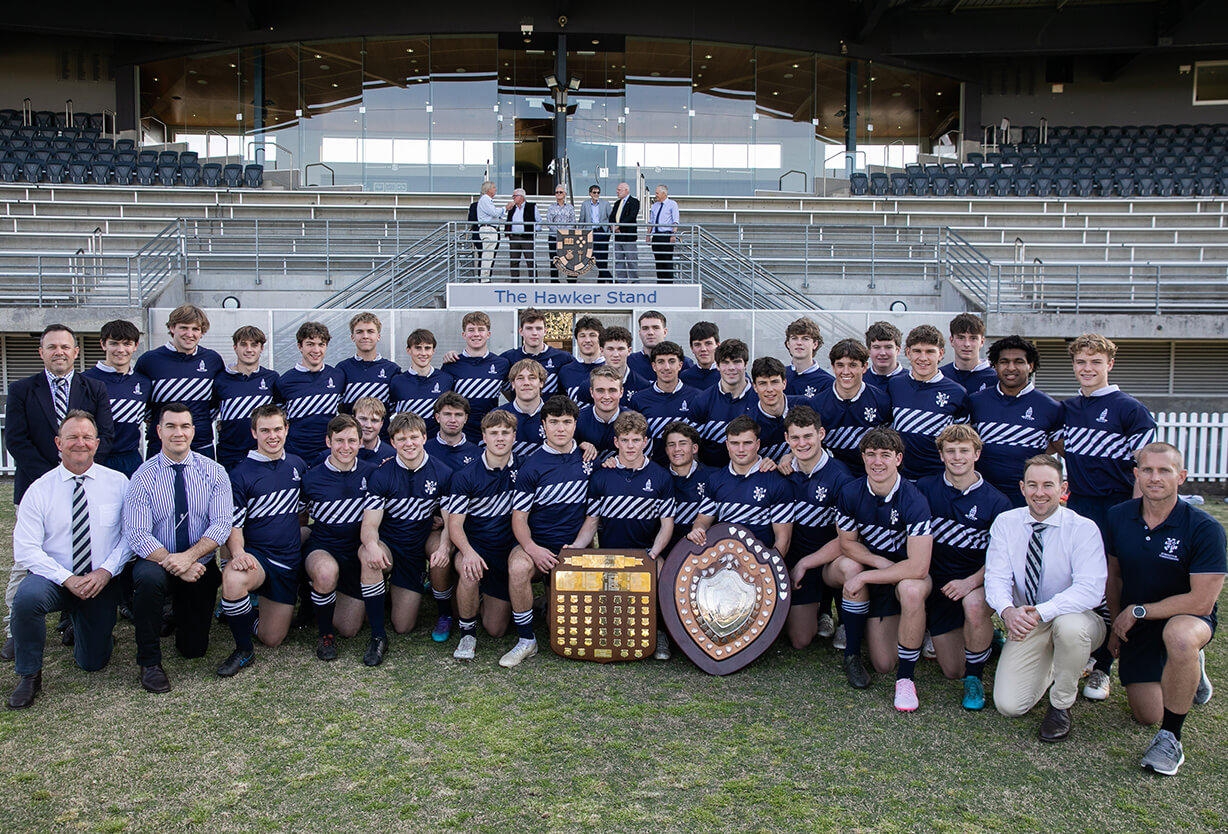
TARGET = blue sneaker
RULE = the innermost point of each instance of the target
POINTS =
(974, 693)
(443, 628)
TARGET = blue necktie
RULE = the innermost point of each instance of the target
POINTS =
(182, 540)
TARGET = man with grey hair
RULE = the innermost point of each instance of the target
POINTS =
(489, 219)
(521, 221)
(623, 215)
(662, 233)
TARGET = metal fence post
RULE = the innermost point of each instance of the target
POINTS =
(872, 254)
(256, 246)
(328, 254)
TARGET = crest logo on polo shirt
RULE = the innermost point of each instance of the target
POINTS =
(137, 389)
(1104, 416)
(871, 415)
(549, 363)
(820, 494)
(512, 475)
(1171, 545)
(895, 516)
(294, 476)
(201, 369)
(492, 370)
(429, 487)
(435, 390)
(810, 391)
(331, 384)
(648, 485)
(760, 494)
(363, 485)
(971, 514)
(982, 388)
(587, 467)
(941, 399)
(699, 489)
(381, 374)
(263, 385)
(468, 460)
(1027, 415)
(683, 407)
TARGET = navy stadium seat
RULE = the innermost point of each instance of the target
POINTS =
(32, 170)
(78, 171)
(123, 172)
(1186, 186)
(1125, 185)
(211, 175)
(253, 176)
(1063, 186)
(1206, 186)
(961, 184)
(189, 173)
(859, 183)
(1000, 186)
(100, 172)
(232, 175)
(1084, 185)
(56, 171)
(1145, 185)
(147, 157)
(919, 185)
(899, 185)
(9, 169)
(1043, 185)
(125, 145)
(940, 185)
(168, 158)
(188, 157)
(146, 173)
(168, 173)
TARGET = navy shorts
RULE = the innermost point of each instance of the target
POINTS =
(812, 585)
(494, 578)
(408, 567)
(883, 602)
(943, 614)
(280, 581)
(1143, 655)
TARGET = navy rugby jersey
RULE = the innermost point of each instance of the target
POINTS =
(365, 378)
(632, 382)
(236, 396)
(640, 364)
(592, 429)
(814, 508)
(409, 498)
(454, 457)
(689, 492)
(919, 412)
(484, 497)
(809, 382)
(529, 433)
(479, 379)
(1100, 434)
(335, 502)
(981, 377)
(573, 379)
(701, 378)
(1013, 429)
(181, 378)
(552, 487)
(711, 413)
(845, 422)
(268, 497)
(756, 500)
(884, 524)
(551, 358)
(772, 443)
(631, 503)
(412, 393)
(311, 399)
(661, 409)
(880, 381)
(960, 525)
(375, 456)
(129, 395)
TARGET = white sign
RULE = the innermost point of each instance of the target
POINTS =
(588, 296)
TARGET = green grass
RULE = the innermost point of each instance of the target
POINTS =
(423, 743)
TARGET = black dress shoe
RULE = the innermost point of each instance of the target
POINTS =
(1056, 726)
(26, 689)
(9, 650)
(68, 636)
(154, 679)
(856, 672)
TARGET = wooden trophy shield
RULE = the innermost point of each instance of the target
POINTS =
(726, 602)
(603, 605)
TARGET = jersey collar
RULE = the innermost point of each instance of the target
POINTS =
(299, 366)
(746, 389)
(548, 449)
(851, 399)
(171, 347)
(256, 455)
(439, 439)
(1027, 389)
(754, 467)
(976, 485)
(103, 366)
(899, 479)
(689, 472)
(818, 467)
(516, 407)
(489, 468)
(937, 377)
(614, 417)
(468, 355)
(618, 464)
(812, 369)
(980, 366)
(677, 388)
(1101, 392)
(425, 458)
(377, 358)
(328, 464)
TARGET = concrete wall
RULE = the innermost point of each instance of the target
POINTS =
(50, 70)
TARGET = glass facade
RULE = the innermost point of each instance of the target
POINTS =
(437, 113)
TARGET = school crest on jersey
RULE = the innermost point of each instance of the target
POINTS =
(587, 467)
(549, 364)
(294, 476)
(760, 494)
(820, 494)
(941, 399)
(683, 407)
(435, 390)
(429, 487)
(1170, 548)
(201, 369)
(263, 385)
(137, 389)
(971, 514)
(810, 391)
(382, 375)
(1104, 416)
(648, 485)
(1027, 415)
(512, 475)
(467, 460)
(331, 384)
(871, 415)
(363, 484)
(492, 370)
(699, 489)
(895, 516)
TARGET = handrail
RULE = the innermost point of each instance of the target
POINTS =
(260, 146)
(27, 112)
(68, 113)
(224, 137)
(781, 179)
(887, 153)
(166, 131)
(311, 165)
(114, 122)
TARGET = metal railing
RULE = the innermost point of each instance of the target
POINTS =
(1122, 287)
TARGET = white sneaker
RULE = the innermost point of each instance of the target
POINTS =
(467, 648)
(839, 641)
(827, 626)
(906, 695)
(523, 650)
(927, 648)
(1204, 691)
(1097, 686)
(662, 652)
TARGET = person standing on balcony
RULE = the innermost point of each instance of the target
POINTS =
(558, 217)
(623, 215)
(521, 224)
(489, 217)
(663, 234)
(599, 214)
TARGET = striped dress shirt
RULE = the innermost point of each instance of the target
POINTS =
(149, 508)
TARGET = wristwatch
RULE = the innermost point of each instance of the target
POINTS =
(1139, 612)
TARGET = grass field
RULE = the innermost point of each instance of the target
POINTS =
(423, 743)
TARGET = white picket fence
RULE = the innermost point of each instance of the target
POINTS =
(1200, 437)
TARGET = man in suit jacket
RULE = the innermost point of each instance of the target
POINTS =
(474, 240)
(36, 406)
(598, 214)
(623, 214)
(521, 222)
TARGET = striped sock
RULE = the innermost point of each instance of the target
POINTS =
(854, 615)
(524, 624)
(325, 604)
(443, 601)
(241, 619)
(908, 662)
(373, 600)
(468, 628)
(974, 663)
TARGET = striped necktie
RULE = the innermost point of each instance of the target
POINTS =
(1036, 552)
(81, 551)
(60, 390)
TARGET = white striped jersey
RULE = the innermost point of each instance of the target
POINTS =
(235, 397)
(552, 487)
(756, 500)
(335, 503)
(455, 457)
(660, 409)
(129, 395)
(980, 378)
(479, 379)
(551, 359)
(814, 508)
(573, 379)
(961, 522)
(845, 422)
(311, 399)
(712, 411)
(365, 378)
(701, 378)
(919, 412)
(411, 393)
(772, 444)
(1100, 434)
(808, 383)
(484, 497)
(640, 364)
(268, 497)
(409, 498)
(884, 523)
(592, 429)
(182, 378)
(1013, 429)
(689, 492)
(529, 433)
(631, 503)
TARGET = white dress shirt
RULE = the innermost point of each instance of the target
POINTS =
(488, 213)
(42, 538)
(1073, 569)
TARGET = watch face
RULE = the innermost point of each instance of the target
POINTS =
(1139, 612)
